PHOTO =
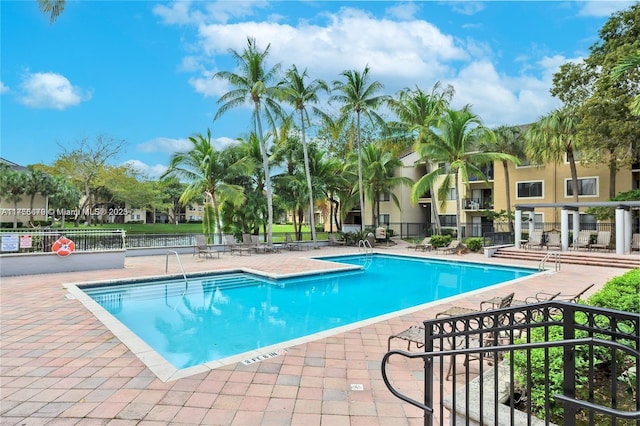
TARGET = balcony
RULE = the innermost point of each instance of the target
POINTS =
(475, 204)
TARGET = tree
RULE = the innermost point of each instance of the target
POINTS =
(52, 7)
(38, 182)
(416, 111)
(65, 197)
(454, 139)
(357, 95)
(509, 140)
(83, 162)
(296, 92)
(628, 64)
(13, 184)
(379, 167)
(204, 169)
(252, 85)
(551, 138)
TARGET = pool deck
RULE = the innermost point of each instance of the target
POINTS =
(60, 365)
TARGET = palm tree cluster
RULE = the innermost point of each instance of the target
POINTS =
(353, 156)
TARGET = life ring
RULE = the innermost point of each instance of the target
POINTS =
(63, 246)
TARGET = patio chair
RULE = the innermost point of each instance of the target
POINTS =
(203, 249)
(235, 247)
(451, 248)
(256, 245)
(542, 295)
(290, 244)
(583, 240)
(535, 240)
(553, 241)
(425, 245)
(414, 334)
(635, 242)
(333, 241)
(603, 241)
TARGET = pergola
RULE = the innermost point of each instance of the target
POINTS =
(622, 220)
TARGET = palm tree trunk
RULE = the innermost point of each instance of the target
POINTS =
(360, 186)
(309, 186)
(459, 230)
(214, 202)
(267, 178)
(505, 165)
(574, 174)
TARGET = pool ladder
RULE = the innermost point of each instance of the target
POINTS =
(556, 258)
(366, 246)
(166, 269)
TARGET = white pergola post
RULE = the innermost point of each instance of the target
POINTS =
(620, 231)
(518, 228)
(628, 227)
(564, 229)
(576, 224)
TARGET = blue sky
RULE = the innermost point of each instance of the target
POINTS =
(141, 71)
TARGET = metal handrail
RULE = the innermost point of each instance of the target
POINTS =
(166, 267)
(556, 256)
(366, 246)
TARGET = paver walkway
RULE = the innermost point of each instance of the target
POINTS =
(60, 365)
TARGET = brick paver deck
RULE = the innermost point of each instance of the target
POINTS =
(60, 365)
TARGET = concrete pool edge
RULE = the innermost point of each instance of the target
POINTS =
(166, 372)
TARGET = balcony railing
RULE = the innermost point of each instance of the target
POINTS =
(591, 387)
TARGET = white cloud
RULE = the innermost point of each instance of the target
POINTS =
(404, 11)
(467, 7)
(166, 145)
(50, 90)
(602, 8)
(150, 172)
(3, 88)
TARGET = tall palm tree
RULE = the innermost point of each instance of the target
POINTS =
(38, 182)
(509, 140)
(252, 85)
(65, 196)
(454, 141)
(295, 92)
(12, 186)
(416, 111)
(358, 96)
(378, 170)
(204, 169)
(553, 136)
(629, 63)
(329, 180)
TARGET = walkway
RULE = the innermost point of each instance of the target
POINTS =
(60, 365)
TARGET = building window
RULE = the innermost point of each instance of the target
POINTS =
(451, 195)
(586, 187)
(448, 220)
(383, 219)
(385, 196)
(529, 189)
(446, 167)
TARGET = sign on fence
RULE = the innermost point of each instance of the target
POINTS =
(9, 243)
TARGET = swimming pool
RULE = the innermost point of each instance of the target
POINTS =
(214, 317)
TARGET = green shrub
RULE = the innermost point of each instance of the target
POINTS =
(474, 244)
(621, 293)
(440, 240)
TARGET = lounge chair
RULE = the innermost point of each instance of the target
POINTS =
(603, 241)
(414, 334)
(451, 248)
(635, 242)
(425, 245)
(553, 241)
(333, 241)
(535, 240)
(256, 245)
(203, 249)
(244, 247)
(583, 240)
(290, 244)
(229, 243)
(563, 297)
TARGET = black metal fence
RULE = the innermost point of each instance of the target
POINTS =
(44, 240)
(560, 362)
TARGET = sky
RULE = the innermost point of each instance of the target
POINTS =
(140, 71)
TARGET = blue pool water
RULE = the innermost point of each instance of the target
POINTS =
(221, 315)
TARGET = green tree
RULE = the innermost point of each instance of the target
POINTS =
(204, 169)
(252, 84)
(38, 182)
(454, 139)
(379, 167)
(508, 140)
(416, 111)
(295, 91)
(13, 184)
(628, 64)
(65, 197)
(357, 95)
(551, 138)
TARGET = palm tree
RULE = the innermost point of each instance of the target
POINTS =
(378, 170)
(204, 169)
(553, 136)
(65, 196)
(358, 96)
(252, 85)
(509, 140)
(53, 7)
(38, 182)
(12, 186)
(629, 63)
(295, 92)
(454, 141)
(329, 180)
(416, 111)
